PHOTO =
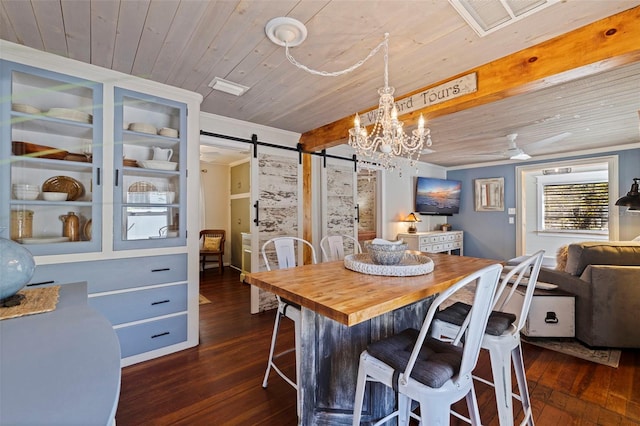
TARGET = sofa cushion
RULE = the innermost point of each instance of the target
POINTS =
(581, 255)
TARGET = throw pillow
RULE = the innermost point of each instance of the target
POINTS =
(561, 258)
(211, 243)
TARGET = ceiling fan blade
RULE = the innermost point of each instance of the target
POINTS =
(551, 139)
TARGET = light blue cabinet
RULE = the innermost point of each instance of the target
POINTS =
(150, 171)
(51, 141)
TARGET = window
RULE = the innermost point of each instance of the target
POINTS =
(575, 203)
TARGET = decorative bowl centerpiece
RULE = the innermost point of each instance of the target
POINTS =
(16, 268)
(385, 252)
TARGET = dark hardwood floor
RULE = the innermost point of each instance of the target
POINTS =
(219, 381)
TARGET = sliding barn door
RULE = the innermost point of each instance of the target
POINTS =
(339, 200)
(276, 188)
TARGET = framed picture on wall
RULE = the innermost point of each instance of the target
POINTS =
(489, 194)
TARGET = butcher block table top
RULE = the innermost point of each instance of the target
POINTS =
(352, 297)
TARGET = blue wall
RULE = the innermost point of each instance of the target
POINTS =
(489, 234)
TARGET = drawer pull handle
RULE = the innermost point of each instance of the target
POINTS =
(160, 302)
(160, 335)
(41, 283)
(161, 269)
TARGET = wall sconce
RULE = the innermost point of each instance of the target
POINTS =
(632, 199)
(412, 219)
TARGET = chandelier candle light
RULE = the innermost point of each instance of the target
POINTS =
(387, 140)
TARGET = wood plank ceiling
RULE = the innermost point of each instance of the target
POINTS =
(187, 43)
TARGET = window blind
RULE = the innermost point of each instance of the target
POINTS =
(576, 206)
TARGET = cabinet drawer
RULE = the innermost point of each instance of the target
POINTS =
(115, 274)
(148, 336)
(141, 304)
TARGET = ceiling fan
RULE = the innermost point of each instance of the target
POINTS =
(513, 152)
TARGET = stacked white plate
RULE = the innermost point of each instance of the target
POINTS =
(27, 109)
(143, 128)
(69, 114)
(157, 164)
(168, 132)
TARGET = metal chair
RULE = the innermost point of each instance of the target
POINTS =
(212, 246)
(285, 257)
(333, 246)
(502, 337)
(421, 368)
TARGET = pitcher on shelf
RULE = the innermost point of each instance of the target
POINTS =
(162, 154)
(70, 226)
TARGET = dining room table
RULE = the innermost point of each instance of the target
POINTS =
(343, 311)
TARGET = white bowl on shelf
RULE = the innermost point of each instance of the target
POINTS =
(25, 191)
(54, 196)
(158, 165)
(143, 128)
(168, 132)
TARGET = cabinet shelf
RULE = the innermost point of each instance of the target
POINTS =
(45, 163)
(50, 125)
(50, 203)
(142, 172)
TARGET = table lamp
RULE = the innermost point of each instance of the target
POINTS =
(412, 219)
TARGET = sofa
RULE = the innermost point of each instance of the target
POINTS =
(605, 278)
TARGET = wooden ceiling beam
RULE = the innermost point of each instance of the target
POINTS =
(602, 45)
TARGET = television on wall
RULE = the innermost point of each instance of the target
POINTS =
(439, 197)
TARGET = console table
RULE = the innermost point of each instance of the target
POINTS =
(59, 367)
(435, 241)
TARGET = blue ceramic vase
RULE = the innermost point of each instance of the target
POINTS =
(16, 267)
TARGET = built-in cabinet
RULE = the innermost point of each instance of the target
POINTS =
(51, 142)
(147, 201)
(435, 241)
(120, 154)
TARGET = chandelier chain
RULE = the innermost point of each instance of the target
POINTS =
(357, 65)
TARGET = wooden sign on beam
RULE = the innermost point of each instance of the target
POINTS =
(432, 96)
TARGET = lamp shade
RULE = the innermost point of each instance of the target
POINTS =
(412, 219)
(632, 199)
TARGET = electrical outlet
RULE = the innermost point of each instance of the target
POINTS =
(512, 210)
(511, 221)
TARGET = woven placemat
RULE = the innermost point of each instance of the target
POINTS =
(36, 301)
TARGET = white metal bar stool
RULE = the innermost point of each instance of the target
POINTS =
(333, 246)
(285, 257)
(502, 336)
(424, 369)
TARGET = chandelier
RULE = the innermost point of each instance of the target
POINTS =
(387, 139)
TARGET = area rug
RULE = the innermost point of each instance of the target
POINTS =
(204, 300)
(608, 357)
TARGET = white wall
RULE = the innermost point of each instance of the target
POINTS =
(398, 199)
(214, 179)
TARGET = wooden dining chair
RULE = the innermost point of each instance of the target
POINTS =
(333, 246)
(502, 335)
(212, 245)
(421, 368)
(285, 256)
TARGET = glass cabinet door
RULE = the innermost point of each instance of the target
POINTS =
(51, 160)
(150, 171)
